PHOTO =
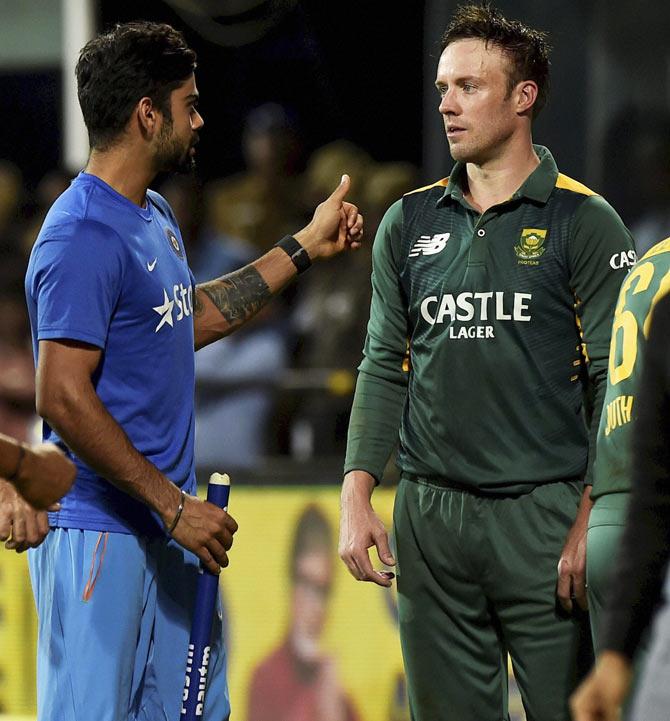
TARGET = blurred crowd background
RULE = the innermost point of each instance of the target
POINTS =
(294, 93)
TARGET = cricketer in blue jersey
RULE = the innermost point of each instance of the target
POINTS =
(116, 316)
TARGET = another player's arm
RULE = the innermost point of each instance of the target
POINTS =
(67, 400)
(21, 526)
(38, 475)
(41, 473)
(377, 409)
(223, 305)
(598, 235)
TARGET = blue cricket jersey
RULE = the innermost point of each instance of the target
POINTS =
(109, 273)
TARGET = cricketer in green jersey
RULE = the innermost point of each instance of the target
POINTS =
(609, 684)
(645, 285)
(493, 296)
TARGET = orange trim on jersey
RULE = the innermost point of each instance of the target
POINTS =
(443, 183)
(576, 187)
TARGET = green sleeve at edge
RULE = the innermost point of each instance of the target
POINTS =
(598, 234)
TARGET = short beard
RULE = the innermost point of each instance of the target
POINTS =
(171, 156)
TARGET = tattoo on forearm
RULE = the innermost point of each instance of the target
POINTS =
(198, 305)
(238, 295)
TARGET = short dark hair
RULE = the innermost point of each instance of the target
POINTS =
(527, 49)
(313, 533)
(118, 68)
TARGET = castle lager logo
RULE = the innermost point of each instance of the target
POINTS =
(530, 246)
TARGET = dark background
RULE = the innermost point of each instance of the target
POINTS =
(343, 69)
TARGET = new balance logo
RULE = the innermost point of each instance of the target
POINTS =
(427, 245)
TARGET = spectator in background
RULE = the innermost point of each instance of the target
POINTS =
(327, 162)
(17, 379)
(235, 378)
(52, 184)
(331, 316)
(11, 193)
(266, 198)
(298, 681)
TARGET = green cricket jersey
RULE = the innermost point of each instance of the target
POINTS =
(645, 285)
(485, 330)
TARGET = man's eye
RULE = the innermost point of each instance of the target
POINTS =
(468, 87)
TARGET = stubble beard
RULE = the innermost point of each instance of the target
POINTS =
(172, 156)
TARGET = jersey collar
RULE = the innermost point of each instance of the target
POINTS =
(537, 186)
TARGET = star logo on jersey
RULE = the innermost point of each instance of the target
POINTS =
(165, 311)
(530, 246)
(429, 245)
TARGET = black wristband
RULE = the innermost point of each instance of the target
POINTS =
(295, 252)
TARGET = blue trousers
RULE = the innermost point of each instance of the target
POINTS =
(114, 623)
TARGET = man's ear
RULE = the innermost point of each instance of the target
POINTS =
(148, 117)
(526, 95)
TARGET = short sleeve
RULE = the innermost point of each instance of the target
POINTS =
(75, 281)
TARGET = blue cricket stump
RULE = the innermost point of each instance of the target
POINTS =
(197, 662)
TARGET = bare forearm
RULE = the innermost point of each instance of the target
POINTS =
(224, 304)
(91, 432)
(10, 455)
(585, 506)
(359, 484)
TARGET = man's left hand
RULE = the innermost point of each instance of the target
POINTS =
(572, 563)
(336, 225)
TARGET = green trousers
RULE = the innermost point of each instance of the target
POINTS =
(476, 581)
(606, 523)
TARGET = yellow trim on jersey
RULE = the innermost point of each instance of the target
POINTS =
(662, 247)
(444, 182)
(569, 184)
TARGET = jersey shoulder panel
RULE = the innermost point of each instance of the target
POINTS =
(566, 183)
(159, 202)
(439, 184)
(662, 247)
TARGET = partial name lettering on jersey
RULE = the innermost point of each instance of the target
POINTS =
(619, 412)
(624, 259)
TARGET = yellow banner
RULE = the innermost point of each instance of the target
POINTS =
(350, 653)
(346, 637)
(305, 641)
